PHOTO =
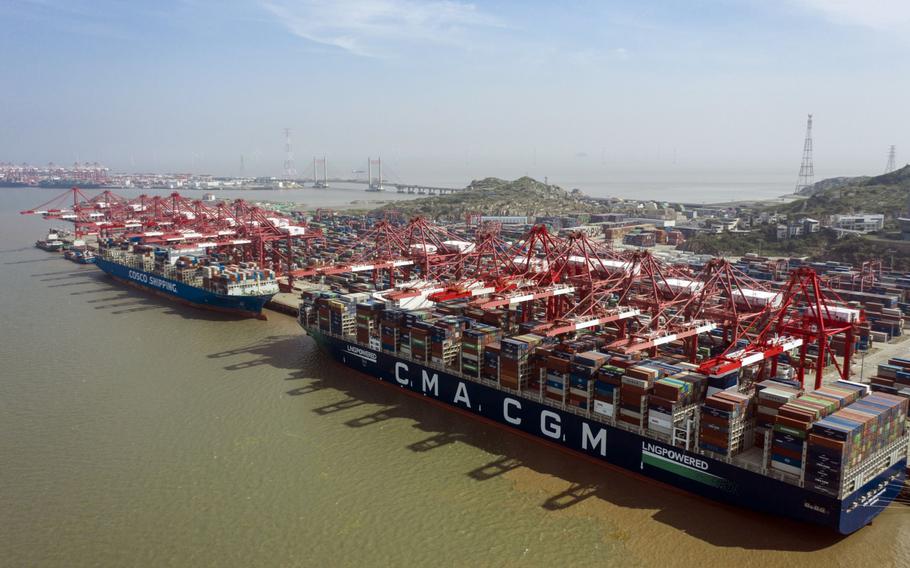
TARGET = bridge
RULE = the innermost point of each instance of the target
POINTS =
(376, 183)
(412, 188)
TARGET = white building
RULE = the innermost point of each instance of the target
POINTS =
(504, 219)
(859, 222)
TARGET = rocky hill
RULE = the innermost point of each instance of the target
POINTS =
(832, 183)
(886, 194)
(493, 196)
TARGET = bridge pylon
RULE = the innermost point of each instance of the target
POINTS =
(374, 184)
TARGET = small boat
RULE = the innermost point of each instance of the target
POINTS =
(54, 245)
(85, 257)
(80, 256)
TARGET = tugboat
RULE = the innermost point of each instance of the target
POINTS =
(51, 243)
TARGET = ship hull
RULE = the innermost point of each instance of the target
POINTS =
(68, 183)
(635, 452)
(245, 306)
(49, 247)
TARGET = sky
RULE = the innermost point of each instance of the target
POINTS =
(451, 90)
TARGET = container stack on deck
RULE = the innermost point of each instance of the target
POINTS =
(795, 418)
(770, 396)
(723, 382)
(607, 384)
(537, 381)
(515, 361)
(390, 330)
(724, 423)
(636, 384)
(413, 322)
(490, 367)
(445, 341)
(368, 314)
(474, 342)
(558, 370)
(582, 376)
(672, 394)
(841, 441)
(420, 340)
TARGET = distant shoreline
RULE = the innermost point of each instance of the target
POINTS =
(371, 203)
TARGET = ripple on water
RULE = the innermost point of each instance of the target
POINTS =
(137, 432)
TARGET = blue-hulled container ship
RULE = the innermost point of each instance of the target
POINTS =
(191, 277)
(834, 457)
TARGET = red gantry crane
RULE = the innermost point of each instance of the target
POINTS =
(808, 314)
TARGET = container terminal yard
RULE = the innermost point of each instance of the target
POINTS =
(729, 378)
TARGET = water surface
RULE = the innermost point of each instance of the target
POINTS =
(136, 432)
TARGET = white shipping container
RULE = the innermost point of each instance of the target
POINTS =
(604, 408)
(458, 246)
(640, 383)
(660, 419)
(839, 313)
(758, 297)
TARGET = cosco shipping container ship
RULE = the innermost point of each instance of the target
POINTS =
(835, 456)
(190, 277)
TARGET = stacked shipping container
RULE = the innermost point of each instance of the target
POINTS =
(724, 423)
(841, 442)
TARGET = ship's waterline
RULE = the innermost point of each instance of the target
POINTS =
(629, 449)
(136, 431)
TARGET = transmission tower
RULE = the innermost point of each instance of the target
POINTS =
(806, 170)
(892, 154)
(290, 172)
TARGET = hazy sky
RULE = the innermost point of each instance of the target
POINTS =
(454, 90)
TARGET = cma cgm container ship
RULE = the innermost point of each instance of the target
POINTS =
(834, 457)
(190, 277)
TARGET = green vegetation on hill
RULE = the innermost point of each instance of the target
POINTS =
(886, 194)
(820, 246)
(832, 183)
(493, 196)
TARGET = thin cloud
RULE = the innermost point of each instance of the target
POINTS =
(591, 57)
(373, 28)
(76, 16)
(876, 14)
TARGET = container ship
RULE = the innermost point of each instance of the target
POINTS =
(68, 183)
(834, 456)
(190, 276)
